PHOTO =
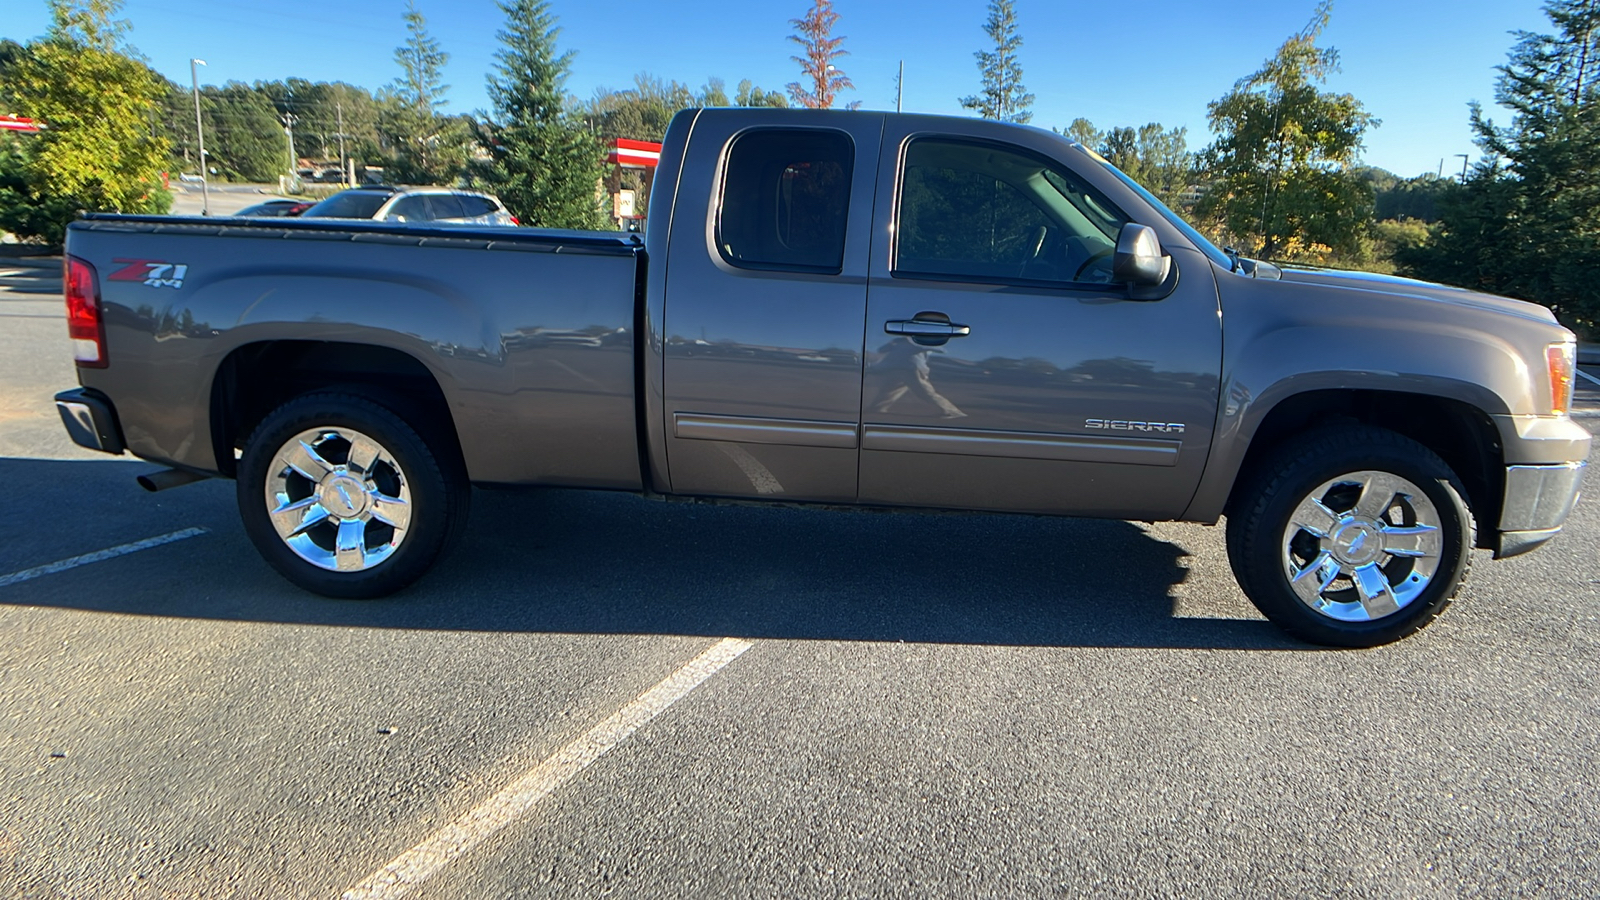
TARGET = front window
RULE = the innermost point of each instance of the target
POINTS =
(986, 212)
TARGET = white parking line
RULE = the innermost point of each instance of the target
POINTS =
(1584, 374)
(97, 556)
(483, 821)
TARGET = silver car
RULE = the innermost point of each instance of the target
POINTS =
(397, 204)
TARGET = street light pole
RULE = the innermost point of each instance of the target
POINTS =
(200, 135)
(1464, 159)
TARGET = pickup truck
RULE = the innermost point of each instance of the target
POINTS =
(849, 309)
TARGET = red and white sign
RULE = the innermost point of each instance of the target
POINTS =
(17, 123)
(634, 154)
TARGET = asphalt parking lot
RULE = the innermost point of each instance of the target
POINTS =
(598, 695)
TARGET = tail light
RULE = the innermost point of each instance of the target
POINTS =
(515, 220)
(1563, 361)
(84, 322)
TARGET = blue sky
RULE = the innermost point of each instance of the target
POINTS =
(1414, 63)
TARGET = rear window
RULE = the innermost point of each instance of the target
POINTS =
(444, 206)
(785, 200)
(348, 205)
(476, 206)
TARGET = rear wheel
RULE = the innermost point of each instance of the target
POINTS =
(344, 498)
(1352, 537)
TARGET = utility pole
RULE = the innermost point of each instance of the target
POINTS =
(344, 167)
(288, 120)
(200, 135)
(900, 87)
(1464, 159)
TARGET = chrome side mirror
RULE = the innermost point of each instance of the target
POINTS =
(1138, 261)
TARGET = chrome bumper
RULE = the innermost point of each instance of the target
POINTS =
(1538, 500)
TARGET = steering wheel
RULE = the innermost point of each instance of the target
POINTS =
(1095, 257)
(1032, 249)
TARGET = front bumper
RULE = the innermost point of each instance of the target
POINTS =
(90, 420)
(1538, 499)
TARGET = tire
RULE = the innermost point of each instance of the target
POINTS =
(1351, 536)
(345, 499)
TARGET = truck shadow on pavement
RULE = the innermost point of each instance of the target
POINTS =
(596, 563)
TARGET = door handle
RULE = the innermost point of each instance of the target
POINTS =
(923, 328)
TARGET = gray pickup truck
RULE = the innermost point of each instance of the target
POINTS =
(847, 309)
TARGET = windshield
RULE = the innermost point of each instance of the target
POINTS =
(348, 205)
(1201, 243)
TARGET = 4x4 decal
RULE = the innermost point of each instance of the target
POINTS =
(153, 272)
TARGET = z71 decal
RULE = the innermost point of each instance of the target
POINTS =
(153, 272)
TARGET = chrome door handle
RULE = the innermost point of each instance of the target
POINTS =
(921, 328)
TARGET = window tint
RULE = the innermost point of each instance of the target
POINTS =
(444, 206)
(785, 200)
(475, 206)
(411, 209)
(988, 213)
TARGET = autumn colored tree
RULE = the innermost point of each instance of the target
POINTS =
(822, 80)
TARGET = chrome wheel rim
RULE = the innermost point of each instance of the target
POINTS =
(338, 499)
(1362, 546)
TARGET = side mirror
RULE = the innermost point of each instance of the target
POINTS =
(1138, 261)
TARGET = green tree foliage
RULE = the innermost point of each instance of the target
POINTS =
(1405, 198)
(750, 95)
(1003, 98)
(544, 164)
(244, 137)
(821, 79)
(1527, 221)
(639, 113)
(429, 147)
(1282, 164)
(1154, 156)
(97, 151)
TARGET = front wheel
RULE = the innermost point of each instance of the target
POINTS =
(345, 499)
(1352, 537)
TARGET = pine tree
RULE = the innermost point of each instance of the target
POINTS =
(545, 166)
(430, 147)
(1003, 98)
(814, 32)
(1527, 221)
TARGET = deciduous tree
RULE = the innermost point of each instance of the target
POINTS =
(821, 80)
(97, 151)
(1003, 98)
(1282, 166)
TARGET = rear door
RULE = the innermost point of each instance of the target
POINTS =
(1005, 369)
(764, 307)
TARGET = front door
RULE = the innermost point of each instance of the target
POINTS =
(764, 310)
(1005, 370)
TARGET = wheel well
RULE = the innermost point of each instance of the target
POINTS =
(1462, 435)
(257, 378)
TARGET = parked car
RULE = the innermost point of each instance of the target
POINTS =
(276, 207)
(400, 204)
(844, 309)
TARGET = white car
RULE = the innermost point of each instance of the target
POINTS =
(383, 203)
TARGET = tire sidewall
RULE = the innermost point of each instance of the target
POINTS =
(425, 534)
(1268, 584)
